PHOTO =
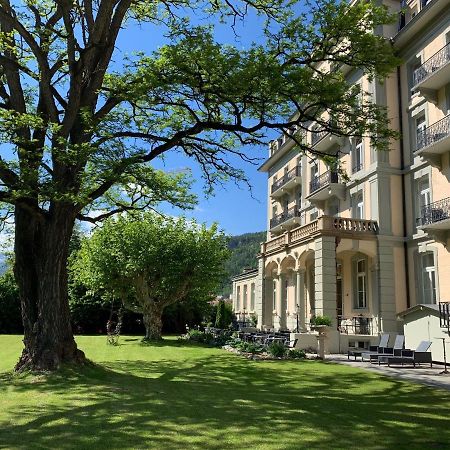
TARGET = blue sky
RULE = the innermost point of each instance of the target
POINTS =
(235, 208)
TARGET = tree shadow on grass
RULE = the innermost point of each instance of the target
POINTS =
(220, 401)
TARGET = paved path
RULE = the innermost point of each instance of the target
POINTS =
(423, 374)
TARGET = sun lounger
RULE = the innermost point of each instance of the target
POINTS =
(386, 351)
(384, 340)
(418, 356)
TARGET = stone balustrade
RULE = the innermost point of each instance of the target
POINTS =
(325, 225)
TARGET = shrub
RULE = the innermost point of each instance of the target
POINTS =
(277, 349)
(254, 320)
(249, 347)
(321, 320)
(234, 342)
(297, 354)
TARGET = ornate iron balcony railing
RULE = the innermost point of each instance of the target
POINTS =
(433, 133)
(290, 213)
(444, 315)
(323, 180)
(432, 64)
(295, 172)
(318, 136)
(357, 167)
(434, 212)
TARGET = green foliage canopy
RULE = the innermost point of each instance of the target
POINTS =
(150, 262)
(87, 131)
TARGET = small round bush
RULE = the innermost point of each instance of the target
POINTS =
(297, 354)
(277, 349)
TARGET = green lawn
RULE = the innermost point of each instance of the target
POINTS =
(171, 396)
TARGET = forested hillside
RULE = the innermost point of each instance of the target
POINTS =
(244, 249)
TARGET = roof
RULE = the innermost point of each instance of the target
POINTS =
(247, 274)
(419, 307)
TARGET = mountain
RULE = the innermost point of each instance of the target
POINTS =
(244, 249)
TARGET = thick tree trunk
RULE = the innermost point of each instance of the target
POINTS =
(152, 314)
(41, 252)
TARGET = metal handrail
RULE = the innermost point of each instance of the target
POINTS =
(432, 64)
(290, 213)
(323, 180)
(318, 136)
(444, 315)
(434, 212)
(357, 167)
(433, 133)
(295, 172)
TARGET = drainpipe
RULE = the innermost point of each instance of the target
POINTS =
(402, 162)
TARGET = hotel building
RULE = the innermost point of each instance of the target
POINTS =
(363, 248)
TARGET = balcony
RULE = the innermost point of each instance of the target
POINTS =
(434, 140)
(433, 74)
(444, 315)
(324, 225)
(325, 186)
(286, 182)
(287, 219)
(325, 142)
(435, 220)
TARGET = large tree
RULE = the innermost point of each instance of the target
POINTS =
(150, 262)
(86, 123)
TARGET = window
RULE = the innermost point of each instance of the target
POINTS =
(429, 289)
(252, 297)
(314, 214)
(314, 171)
(274, 297)
(414, 74)
(238, 299)
(274, 210)
(299, 197)
(423, 194)
(244, 297)
(421, 126)
(286, 293)
(339, 298)
(361, 284)
(285, 203)
(358, 205)
(358, 156)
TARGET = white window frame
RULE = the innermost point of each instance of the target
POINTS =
(428, 274)
(358, 205)
(361, 284)
(274, 296)
(358, 156)
(420, 126)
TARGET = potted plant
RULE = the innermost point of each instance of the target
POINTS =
(320, 323)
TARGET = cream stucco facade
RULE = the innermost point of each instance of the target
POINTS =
(363, 249)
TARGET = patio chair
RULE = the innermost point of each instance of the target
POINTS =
(382, 344)
(418, 356)
(386, 351)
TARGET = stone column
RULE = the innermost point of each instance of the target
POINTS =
(386, 288)
(325, 277)
(300, 299)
